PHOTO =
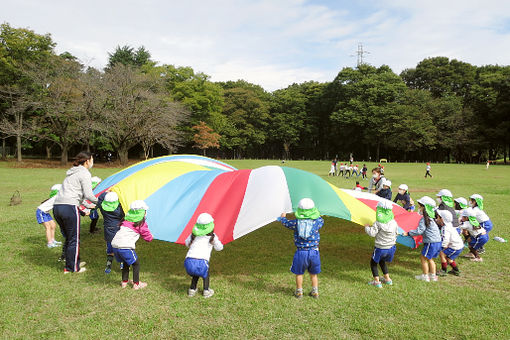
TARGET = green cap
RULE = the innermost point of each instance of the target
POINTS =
(383, 215)
(448, 201)
(473, 221)
(203, 229)
(311, 214)
(109, 206)
(135, 215)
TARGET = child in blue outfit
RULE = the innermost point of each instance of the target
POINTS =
(404, 198)
(476, 234)
(431, 239)
(43, 217)
(113, 215)
(306, 238)
(385, 192)
(476, 202)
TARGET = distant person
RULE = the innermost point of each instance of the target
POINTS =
(376, 182)
(359, 187)
(404, 198)
(431, 239)
(332, 170)
(476, 234)
(427, 173)
(451, 242)
(43, 217)
(113, 215)
(487, 165)
(342, 169)
(124, 242)
(201, 242)
(364, 172)
(385, 231)
(348, 169)
(306, 228)
(355, 170)
(385, 192)
(77, 187)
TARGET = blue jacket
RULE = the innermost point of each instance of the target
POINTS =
(306, 231)
(406, 200)
(111, 219)
(385, 193)
(430, 234)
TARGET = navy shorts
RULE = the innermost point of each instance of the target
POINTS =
(42, 216)
(306, 260)
(452, 254)
(93, 214)
(125, 255)
(431, 250)
(383, 254)
(479, 241)
(487, 225)
(196, 267)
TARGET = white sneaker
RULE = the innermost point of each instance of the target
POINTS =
(208, 293)
(433, 277)
(422, 277)
(191, 292)
(57, 242)
(82, 264)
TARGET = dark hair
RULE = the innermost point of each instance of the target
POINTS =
(426, 216)
(211, 237)
(139, 223)
(457, 206)
(377, 169)
(82, 157)
(475, 203)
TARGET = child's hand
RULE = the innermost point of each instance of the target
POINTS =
(283, 215)
(405, 233)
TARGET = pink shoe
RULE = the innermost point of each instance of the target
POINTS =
(124, 284)
(140, 285)
(477, 259)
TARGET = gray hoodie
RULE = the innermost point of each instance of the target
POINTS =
(431, 234)
(76, 187)
(385, 234)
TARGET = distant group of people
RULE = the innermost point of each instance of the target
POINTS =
(347, 170)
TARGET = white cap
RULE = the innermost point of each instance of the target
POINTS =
(306, 203)
(403, 187)
(425, 200)
(445, 215)
(112, 197)
(461, 200)
(386, 182)
(385, 204)
(475, 196)
(96, 179)
(204, 218)
(444, 192)
(56, 187)
(469, 212)
(138, 205)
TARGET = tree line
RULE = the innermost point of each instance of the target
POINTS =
(441, 110)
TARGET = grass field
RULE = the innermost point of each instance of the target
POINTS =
(251, 276)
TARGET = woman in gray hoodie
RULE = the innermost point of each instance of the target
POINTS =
(76, 187)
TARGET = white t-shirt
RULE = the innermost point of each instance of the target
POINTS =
(451, 238)
(481, 216)
(201, 248)
(472, 231)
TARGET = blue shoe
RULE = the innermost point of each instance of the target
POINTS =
(375, 284)
(107, 270)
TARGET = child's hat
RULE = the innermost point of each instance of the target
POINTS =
(462, 202)
(470, 214)
(403, 187)
(478, 199)
(204, 225)
(444, 192)
(110, 202)
(386, 182)
(55, 189)
(306, 203)
(136, 211)
(426, 200)
(385, 204)
(445, 215)
(307, 210)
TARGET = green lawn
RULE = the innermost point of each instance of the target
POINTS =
(251, 276)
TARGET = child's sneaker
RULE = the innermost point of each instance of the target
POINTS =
(477, 259)
(375, 284)
(108, 270)
(83, 263)
(191, 292)
(433, 277)
(387, 282)
(82, 269)
(51, 245)
(124, 284)
(481, 251)
(442, 272)
(314, 293)
(208, 293)
(57, 242)
(422, 277)
(469, 256)
(139, 285)
(298, 294)
(454, 272)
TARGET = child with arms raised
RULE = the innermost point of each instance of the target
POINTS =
(200, 243)
(306, 238)
(385, 231)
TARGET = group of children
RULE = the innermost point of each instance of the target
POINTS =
(347, 170)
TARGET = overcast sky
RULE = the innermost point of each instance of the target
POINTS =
(273, 43)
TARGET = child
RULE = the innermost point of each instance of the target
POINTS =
(452, 243)
(348, 169)
(111, 209)
(306, 238)
(404, 198)
(124, 242)
(355, 170)
(460, 204)
(445, 202)
(364, 172)
(477, 236)
(376, 182)
(44, 218)
(94, 216)
(476, 202)
(431, 239)
(385, 192)
(359, 187)
(341, 171)
(332, 170)
(385, 231)
(200, 243)
(427, 173)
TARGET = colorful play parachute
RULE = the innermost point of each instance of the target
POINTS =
(179, 188)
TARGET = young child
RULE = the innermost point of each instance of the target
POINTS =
(385, 192)
(476, 202)
(113, 214)
(385, 231)
(348, 169)
(94, 216)
(124, 242)
(404, 198)
(200, 242)
(341, 171)
(460, 204)
(359, 187)
(355, 170)
(477, 236)
(451, 242)
(431, 239)
(43, 217)
(427, 173)
(306, 238)
(445, 202)
(376, 182)
(332, 170)
(364, 172)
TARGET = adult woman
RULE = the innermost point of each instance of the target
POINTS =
(76, 187)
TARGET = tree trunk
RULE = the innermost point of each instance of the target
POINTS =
(63, 155)
(123, 155)
(48, 151)
(18, 147)
(203, 151)
(4, 151)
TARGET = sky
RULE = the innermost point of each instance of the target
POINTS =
(273, 43)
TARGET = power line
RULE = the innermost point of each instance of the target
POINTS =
(360, 53)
